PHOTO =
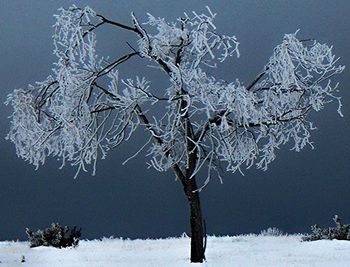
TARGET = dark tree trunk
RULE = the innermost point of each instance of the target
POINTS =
(197, 247)
(190, 188)
(196, 221)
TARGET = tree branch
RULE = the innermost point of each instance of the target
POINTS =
(179, 51)
(115, 63)
(105, 91)
(250, 86)
(120, 25)
(160, 141)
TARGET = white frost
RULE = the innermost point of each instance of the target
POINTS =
(84, 109)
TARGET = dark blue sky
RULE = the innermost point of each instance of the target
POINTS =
(298, 189)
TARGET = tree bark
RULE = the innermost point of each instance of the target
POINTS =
(196, 221)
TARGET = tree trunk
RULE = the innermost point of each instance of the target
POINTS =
(196, 221)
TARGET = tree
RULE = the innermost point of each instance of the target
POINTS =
(201, 124)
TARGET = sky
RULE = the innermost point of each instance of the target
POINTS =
(297, 191)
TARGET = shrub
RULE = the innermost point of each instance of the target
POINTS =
(340, 232)
(271, 231)
(55, 236)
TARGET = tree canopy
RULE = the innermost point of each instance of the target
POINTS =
(84, 109)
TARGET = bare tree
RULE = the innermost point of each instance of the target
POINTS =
(83, 110)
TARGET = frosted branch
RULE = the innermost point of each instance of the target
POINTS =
(85, 109)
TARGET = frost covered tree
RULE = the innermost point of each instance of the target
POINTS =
(196, 125)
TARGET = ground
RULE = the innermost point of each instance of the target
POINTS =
(247, 250)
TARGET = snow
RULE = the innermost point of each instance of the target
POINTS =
(248, 250)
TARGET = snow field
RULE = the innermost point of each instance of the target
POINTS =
(247, 251)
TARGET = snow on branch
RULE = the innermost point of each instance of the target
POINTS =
(85, 109)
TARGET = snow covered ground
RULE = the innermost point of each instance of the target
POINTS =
(241, 251)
